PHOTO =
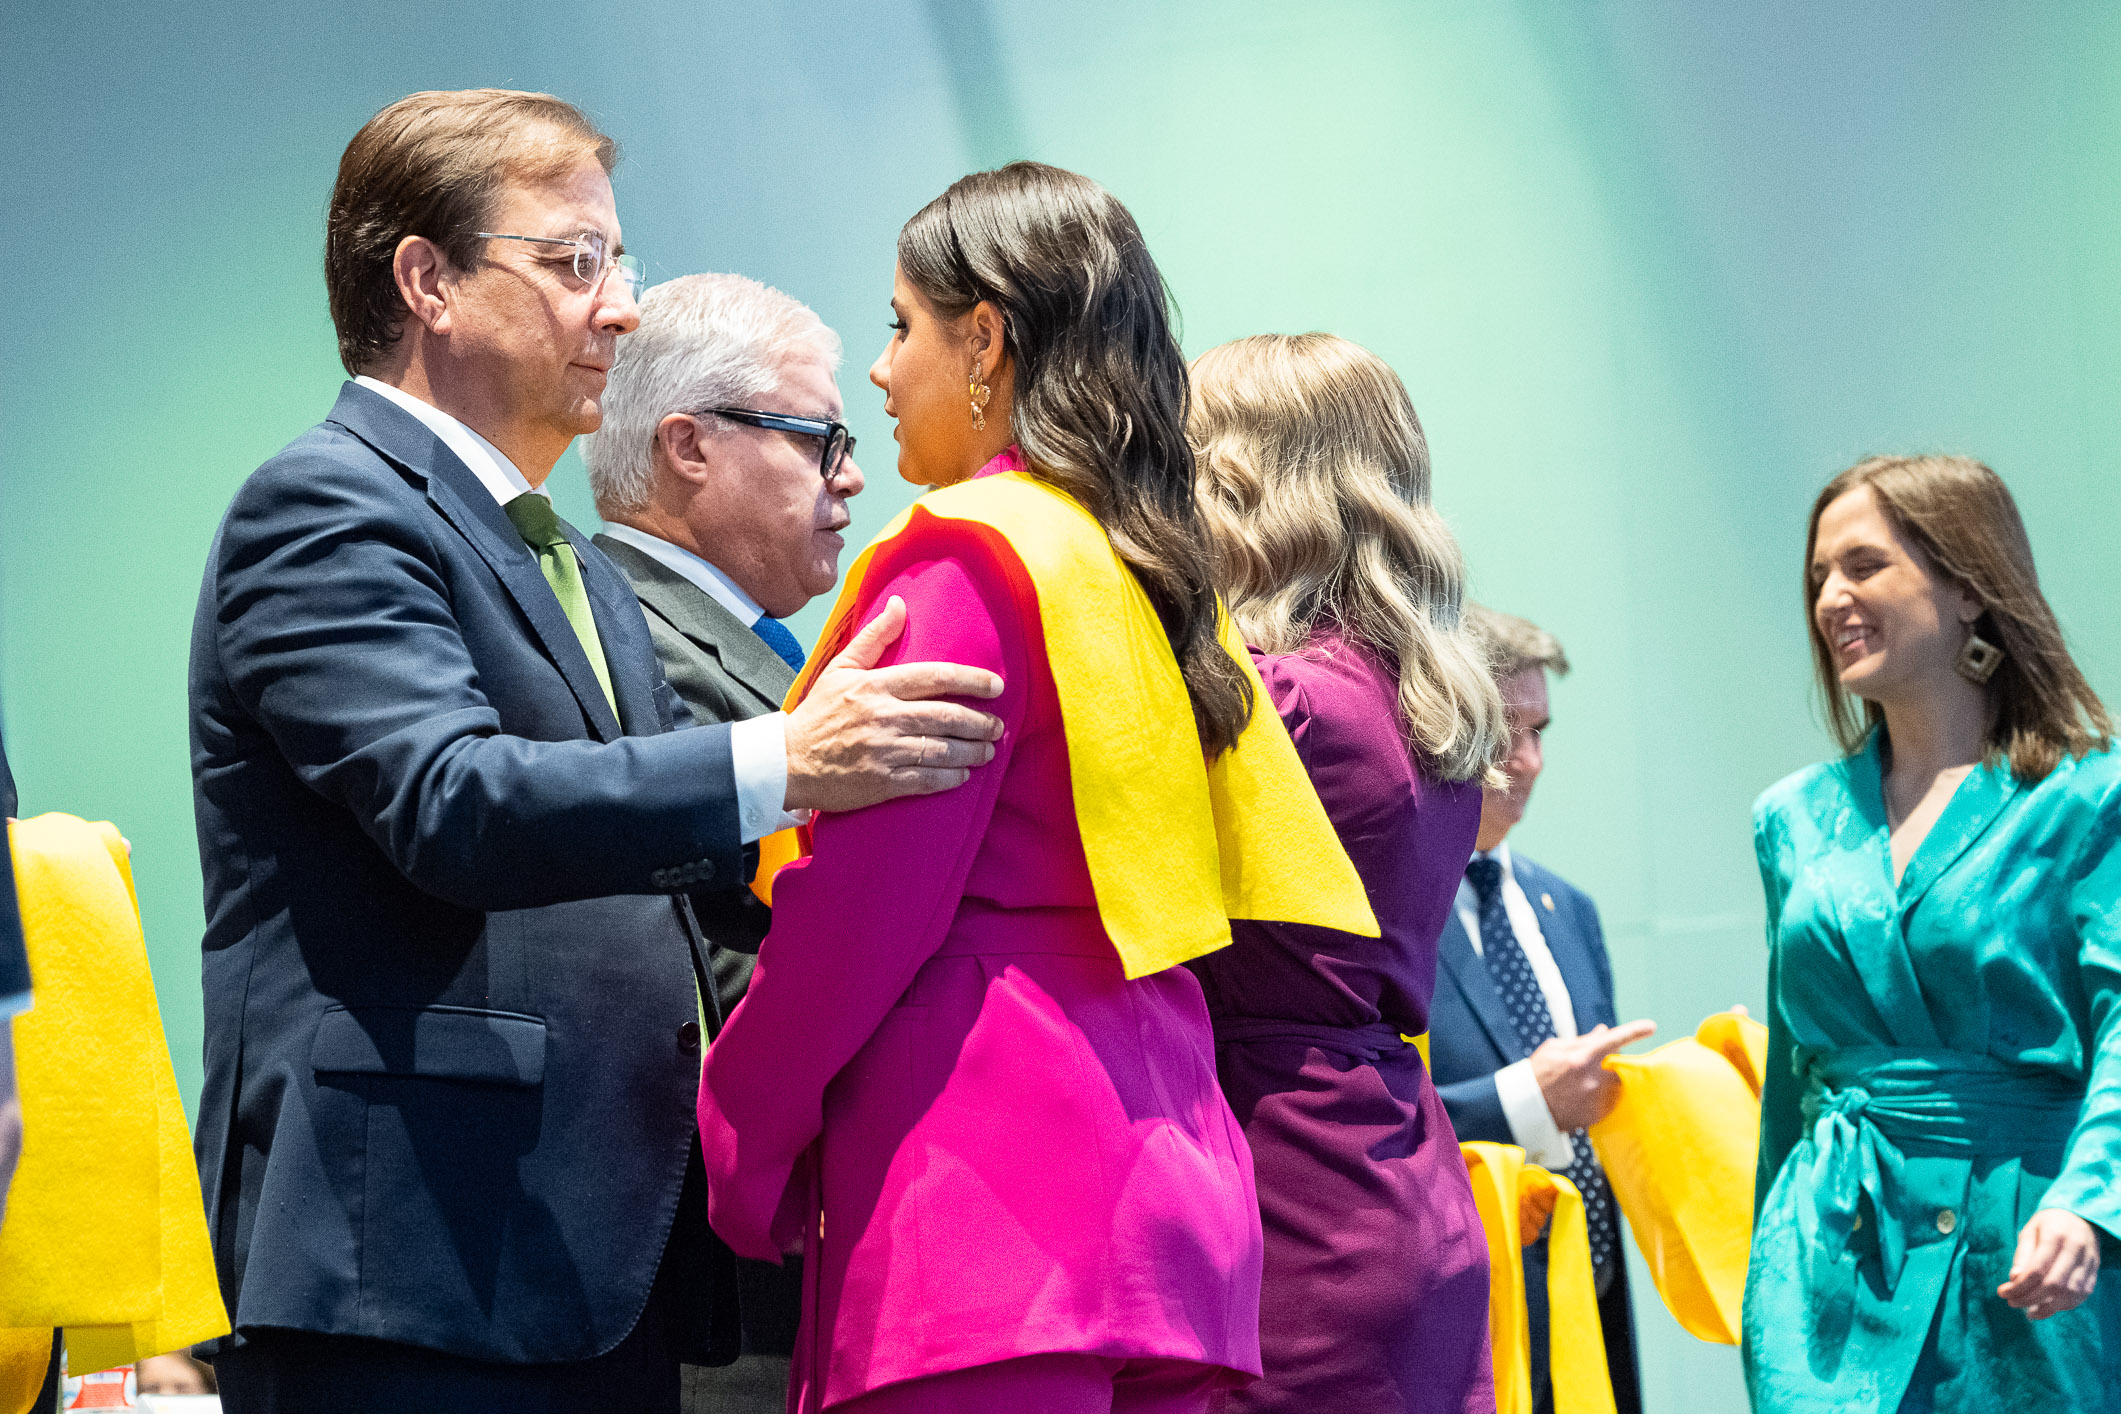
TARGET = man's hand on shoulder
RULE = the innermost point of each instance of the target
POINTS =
(866, 734)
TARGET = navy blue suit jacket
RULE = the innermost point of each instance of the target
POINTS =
(1470, 1034)
(451, 1051)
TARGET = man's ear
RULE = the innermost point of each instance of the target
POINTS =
(421, 270)
(680, 442)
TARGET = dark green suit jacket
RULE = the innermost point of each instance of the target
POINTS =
(725, 673)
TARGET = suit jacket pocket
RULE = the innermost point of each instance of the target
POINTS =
(446, 1042)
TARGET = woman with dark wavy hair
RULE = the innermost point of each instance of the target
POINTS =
(1940, 1131)
(970, 1077)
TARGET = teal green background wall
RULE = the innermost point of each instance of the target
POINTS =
(1652, 272)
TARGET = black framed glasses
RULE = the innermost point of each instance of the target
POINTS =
(593, 259)
(837, 442)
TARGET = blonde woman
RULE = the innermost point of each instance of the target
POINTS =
(1314, 476)
(1940, 1135)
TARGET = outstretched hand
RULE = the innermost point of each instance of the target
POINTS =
(867, 734)
(2056, 1266)
(1572, 1077)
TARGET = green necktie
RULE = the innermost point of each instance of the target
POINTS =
(539, 525)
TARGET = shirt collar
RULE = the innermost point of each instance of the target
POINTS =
(495, 472)
(1501, 855)
(716, 585)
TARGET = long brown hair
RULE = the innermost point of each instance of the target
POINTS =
(1314, 480)
(1962, 518)
(1100, 399)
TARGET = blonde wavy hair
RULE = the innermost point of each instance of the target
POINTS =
(1314, 480)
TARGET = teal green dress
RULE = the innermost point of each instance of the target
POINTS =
(1944, 1061)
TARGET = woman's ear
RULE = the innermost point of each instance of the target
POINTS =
(1970, 607)
(987, 339)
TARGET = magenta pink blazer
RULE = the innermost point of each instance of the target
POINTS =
(990, 1143)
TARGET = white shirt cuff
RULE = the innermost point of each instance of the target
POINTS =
(14, 1006)
(758, 757)
(1531, 1122)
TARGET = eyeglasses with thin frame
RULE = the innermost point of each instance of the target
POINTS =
(837, 441)
(593, 259)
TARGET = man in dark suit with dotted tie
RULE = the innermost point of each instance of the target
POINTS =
(1523, 1017)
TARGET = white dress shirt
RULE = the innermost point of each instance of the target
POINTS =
(1531, 1123)
(758, 749)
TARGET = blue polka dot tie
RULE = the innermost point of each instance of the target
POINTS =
(1527, 1006)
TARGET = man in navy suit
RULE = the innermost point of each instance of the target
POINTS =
(1523, 1018)
(454, 993)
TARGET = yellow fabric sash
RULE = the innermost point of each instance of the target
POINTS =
(1177, 846)
(106, 1231)
(1516, 1200)
(1679, 1149)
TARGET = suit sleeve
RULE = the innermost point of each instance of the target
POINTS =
(853, 923)
(1475, 1107)
(336, 634)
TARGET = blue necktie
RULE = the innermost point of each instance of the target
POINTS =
(1527, 1004)
(780, 640)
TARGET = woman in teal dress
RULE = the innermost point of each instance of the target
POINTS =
(1941, 1128)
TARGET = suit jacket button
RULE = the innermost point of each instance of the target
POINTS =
(689, 1038)
(704, 870)
(660, 878)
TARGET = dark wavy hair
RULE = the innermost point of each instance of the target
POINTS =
(1101, 388)
(1962, 520)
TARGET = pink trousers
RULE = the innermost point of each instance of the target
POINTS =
(1052, 1384)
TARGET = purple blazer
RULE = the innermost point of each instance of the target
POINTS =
(990, 1142)
(1376, 1288)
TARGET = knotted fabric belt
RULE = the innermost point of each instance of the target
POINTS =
(1873, 1107)
(1370, 1043)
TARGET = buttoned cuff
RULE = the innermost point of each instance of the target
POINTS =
(1531, 1123)
(758, 758)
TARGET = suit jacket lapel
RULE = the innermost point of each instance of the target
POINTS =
(1570, 950)
(1973, 807)
(628, 654)
(464, 502)
(695, 613)
(1477, 985)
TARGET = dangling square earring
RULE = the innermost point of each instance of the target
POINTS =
(1979, 660)
(980, 393)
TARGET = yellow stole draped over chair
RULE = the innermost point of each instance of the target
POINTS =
(1680, 1149)
(1177, 846)
(105, 1232)
(1516, 1200)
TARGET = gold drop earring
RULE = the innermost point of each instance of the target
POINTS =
(980, 393)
